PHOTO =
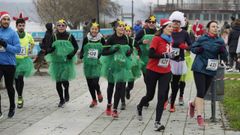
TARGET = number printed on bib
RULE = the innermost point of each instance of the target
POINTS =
(163, 62)
(93, 53)
(212, 64)
(2, 49)
(23, 51)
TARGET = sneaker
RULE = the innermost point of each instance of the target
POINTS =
(11, 112)
(139, 113)
(61, 103)
(115, 114)
(109, 110)
(20, 102)
(165, 105)
(181, 101)
(200, 121)
(172, 108)
(230, 70)
(93, 104)
(158, 126)
(191, 110)
(1, 115)
(123, 106)
(100, 97)
(128, 94)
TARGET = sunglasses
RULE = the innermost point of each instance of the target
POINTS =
(152, 22)
(176, 21)
(59, 25)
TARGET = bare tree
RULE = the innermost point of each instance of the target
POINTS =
(73, 11)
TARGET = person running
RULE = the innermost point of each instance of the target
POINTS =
(90, 53)
(9, 47)
(61, 57)
(136, 64)
(181, 43)
(158, 71)
(143, 40)
(116, 65)
(24, 67)
(208, 49)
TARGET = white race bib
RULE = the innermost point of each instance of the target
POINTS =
(212, 64)
(23, 51)
(93, 53)
(2, 49)
(175, 51)
(163, 62)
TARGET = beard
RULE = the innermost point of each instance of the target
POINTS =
(4, 25)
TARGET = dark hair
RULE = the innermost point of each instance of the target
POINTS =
(209, 23)
(20, 20)
(160, 31)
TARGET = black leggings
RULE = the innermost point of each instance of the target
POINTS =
(175, 87)
(202, 82)
(130, 86)
(120, 90)
(60, 89)
(19, 84)
(8, 71)
(152, 78)
(93, 87)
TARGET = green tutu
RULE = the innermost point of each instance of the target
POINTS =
(145, 50)
(117, 67)
(189, 75)
(60, 68)
(91, 63)
(24, 67)
(136, 66)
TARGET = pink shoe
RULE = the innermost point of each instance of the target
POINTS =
(109, 110)
(172, 108)
(115, 114)
(191, 110)
(200, 121)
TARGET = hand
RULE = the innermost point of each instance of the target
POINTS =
(222, 49)
(69, 56)
(128, 53)
(146, 41)
(199, 49)
(3, 43)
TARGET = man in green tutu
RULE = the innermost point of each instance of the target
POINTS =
(61, 58)
(24, 67)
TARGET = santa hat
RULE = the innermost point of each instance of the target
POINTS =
(20, 17)
(164, 22)
(4, 14)
(178, 16)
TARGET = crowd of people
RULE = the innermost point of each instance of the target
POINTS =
(162, 55)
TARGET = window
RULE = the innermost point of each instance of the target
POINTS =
(213, 17)
(197, 16)
(190, 17)
(219, 17)
(226, 17)
(206, 17)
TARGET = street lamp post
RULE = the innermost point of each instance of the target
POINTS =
(132, 14)
(98, 12)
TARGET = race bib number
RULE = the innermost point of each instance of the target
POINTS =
(164, 62)
(93, 53)
(212, 64)
(2, 49)
(23, 51)
(175, 51)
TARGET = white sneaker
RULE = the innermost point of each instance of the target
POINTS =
(1, 115)
(158, 126)
(230, 70)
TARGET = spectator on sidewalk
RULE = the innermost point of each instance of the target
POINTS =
(9, 47)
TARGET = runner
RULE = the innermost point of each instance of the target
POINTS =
(117, 65)
(9, 47)
(24, 67)
(90, 53)
(208, 49)
(178, 64)
(61, 58)
(158, 71)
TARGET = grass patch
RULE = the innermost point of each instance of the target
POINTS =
(231, 101)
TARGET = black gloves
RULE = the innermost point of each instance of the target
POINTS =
(70, 56)
(199, 49)
(3, 43)
(128, 53)
(50, 49)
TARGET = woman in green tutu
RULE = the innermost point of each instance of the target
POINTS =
(136, 64)
(90, 53)
(116, 65)
(24, 67)
(61, 58)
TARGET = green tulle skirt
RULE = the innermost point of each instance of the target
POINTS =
(117, 67)
(91, 63)
(24, 67)
(136, 66)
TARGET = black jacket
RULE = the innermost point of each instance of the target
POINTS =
(233, 39)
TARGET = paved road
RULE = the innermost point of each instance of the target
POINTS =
(41, 116)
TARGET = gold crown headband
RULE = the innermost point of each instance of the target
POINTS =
(95, 24)
(152, 19)
(61, 21)
(127, 28)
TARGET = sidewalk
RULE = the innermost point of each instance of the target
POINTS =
(41, 116)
